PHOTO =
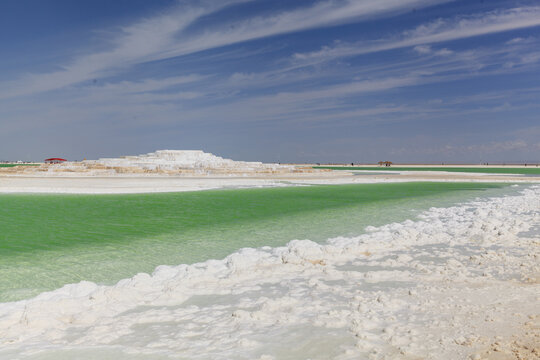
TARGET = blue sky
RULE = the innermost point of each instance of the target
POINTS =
(272, 80)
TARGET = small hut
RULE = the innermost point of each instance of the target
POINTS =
(54, 161)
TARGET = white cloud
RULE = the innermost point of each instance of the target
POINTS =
(423, 49)
(148, 85)
(427, 50)
(520, 40)
(469, 26)
(531, 58)
(161, 37)
(132, 44)
(322, 13)
(437, 31)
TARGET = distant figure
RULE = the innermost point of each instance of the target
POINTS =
(352, 164)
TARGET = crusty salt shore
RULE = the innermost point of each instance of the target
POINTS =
(174, 170)
(459, 283)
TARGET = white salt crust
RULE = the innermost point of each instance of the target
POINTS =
(127, 184)
(181, 159)
(443, 287)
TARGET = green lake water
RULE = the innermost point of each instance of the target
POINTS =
(48, 240)
(13, 165)
(533, 170)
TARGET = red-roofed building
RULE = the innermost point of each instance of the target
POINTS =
(54, 161)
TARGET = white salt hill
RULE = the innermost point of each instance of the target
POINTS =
(184, 159)
(171, 162)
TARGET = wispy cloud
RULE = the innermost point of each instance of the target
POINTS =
(162, 37)
(132, 44)
(437, 31)
(321, 14)
(148, 85)
(426, 49)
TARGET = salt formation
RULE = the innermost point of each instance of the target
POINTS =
(459, 283)
(164, 162)
(185, 160)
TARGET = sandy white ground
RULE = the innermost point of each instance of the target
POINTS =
(154, 183)
(461, 282)
(122, 184)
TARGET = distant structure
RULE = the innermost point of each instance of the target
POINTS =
(54, 161)
(385, 163)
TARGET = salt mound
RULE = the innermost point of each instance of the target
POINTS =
(168, 162)
(178, 159)
(175, 162)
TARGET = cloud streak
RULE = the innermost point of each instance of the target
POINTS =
(161, 37)
(441, 30)
(133, 44)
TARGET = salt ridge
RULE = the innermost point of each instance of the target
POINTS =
(183, 163)
(441, 287)
(178, 159)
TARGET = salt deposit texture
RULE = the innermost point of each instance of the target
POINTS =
(179, 159)
(164, 162)
(184, 160)
(460, 282)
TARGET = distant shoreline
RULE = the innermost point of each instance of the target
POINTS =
(489, 165)
(193, 170)
(494, 165)
(523, 170)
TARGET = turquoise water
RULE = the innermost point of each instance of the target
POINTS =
(47, 241)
